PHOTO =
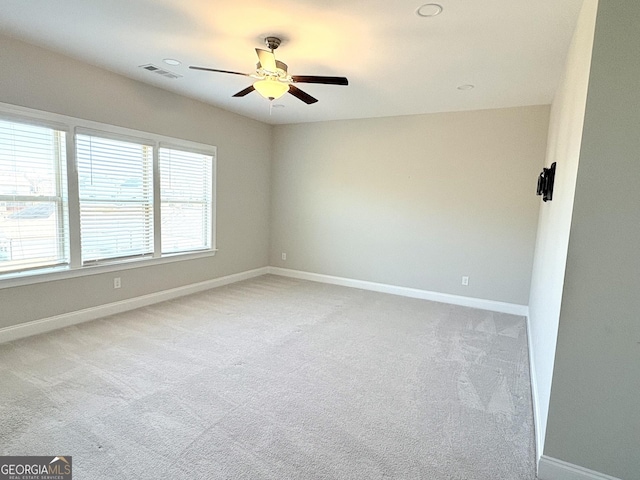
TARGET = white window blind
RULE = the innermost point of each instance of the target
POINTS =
(115, 186)
(33, 200)
(186, 203)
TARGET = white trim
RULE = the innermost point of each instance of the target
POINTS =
(36, 327)
(30, 277)
(138, 139)
(480, 303)
(550, 468)
(535, 403)
(69, 124)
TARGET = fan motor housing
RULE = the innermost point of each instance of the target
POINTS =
(281, 67)
(272, 42)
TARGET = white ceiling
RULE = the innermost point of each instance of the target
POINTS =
(397, 63)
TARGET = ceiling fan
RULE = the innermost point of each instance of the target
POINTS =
(272, 78)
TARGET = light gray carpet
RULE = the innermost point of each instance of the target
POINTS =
(276, 378)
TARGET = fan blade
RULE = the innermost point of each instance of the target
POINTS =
(299, 94)
(244, 92)
(316, 79)
(267, 60)
(219, 71)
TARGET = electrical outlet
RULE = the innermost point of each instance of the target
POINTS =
(116, 282)
(465, 281)
(284, 256)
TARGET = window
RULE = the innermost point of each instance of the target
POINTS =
(105, 195)
(33, 201)
(185, 188)
(115, 185)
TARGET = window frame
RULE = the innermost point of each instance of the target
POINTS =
(60, 199)
(212, 200)
(73, 126)
(99, 136)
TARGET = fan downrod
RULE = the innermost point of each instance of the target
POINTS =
(272, 43)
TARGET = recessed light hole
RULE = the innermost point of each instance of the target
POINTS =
(429, 10)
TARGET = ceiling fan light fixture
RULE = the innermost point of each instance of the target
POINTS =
(273, 79)
(271, 89)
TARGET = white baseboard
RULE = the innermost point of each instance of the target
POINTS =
(492, 305)
(537, 427)
(36, 327)
(550, 468)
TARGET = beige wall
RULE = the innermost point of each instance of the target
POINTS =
(37, 78)
(415, 201)
(565, 136)
(594, 414)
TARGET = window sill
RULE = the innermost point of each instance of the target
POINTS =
(61, 273)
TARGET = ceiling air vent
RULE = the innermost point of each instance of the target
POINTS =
(160, 71)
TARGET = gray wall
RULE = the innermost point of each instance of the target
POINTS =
(415, 201)
(594, 414)
(565, 136)
(37, 78)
